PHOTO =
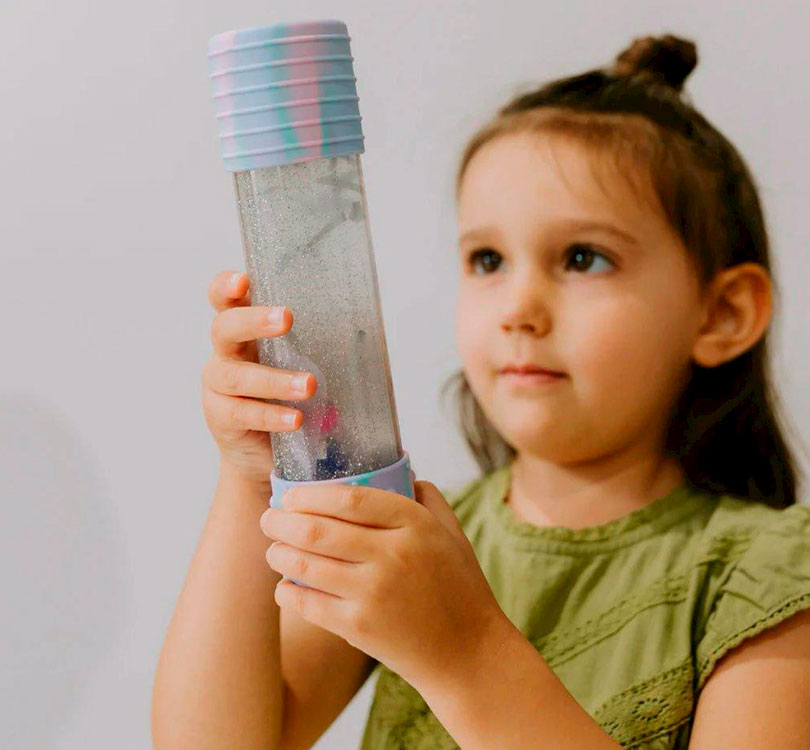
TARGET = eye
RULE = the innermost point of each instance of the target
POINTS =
(490, 259)
(582, 257)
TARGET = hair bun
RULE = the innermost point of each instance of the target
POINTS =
(666, 59)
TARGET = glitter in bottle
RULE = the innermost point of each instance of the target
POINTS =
(308, 247)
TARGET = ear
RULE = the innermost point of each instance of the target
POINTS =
(738, 310)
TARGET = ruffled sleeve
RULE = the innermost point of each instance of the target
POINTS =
(767, 584)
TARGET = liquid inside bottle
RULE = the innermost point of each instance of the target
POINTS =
(307, 246)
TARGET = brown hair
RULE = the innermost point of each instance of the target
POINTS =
(724, 428)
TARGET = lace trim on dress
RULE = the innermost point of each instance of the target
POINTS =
(653, 709)
(564, 644)
(706, 662)
(561, 645)
(652, 714)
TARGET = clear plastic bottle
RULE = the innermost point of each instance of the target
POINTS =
(289, 124)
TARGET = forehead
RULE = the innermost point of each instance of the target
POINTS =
(550, 175)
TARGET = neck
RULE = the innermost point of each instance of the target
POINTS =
(592, 492)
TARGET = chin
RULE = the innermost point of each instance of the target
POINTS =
(540, 436)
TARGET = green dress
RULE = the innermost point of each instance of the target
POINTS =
(632, 615)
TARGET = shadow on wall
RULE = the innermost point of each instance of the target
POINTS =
(62, 571)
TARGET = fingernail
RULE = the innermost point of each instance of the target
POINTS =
(275, 316)
(234, 280)
(289, 418)
(299, 383)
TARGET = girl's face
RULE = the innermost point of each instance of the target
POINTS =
(614, 308)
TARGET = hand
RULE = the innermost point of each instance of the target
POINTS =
(395, 578)
(235, 384)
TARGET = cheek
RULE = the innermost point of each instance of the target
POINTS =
(472, 332)
(628, 343)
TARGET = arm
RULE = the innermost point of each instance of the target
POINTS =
(759, 693)
(505, 695)
(218, 680)
(223, 678)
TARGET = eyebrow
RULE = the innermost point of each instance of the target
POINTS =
(573, 224)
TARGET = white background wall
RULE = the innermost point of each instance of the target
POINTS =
(117, 211)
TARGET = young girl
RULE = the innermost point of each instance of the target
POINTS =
(631, 569)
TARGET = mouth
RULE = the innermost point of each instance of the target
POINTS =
(528, 368)
(529, 373)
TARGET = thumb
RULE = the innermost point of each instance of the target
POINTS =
(428, 495)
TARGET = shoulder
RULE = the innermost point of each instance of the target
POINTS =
(758, 692)
(465, 498)
(470, 500)
(748, 516)
(757, 564)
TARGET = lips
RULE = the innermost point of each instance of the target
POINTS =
(528, 368)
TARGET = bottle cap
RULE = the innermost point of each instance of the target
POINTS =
(284, 93)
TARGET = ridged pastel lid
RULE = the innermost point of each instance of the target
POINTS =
(284, 93)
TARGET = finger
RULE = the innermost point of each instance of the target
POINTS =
(324, 610)
(368, 506)
(233, 377)
(318, 571)
(234, 327)
(229, 289)
(236, 413)
(321, 535)
(429, 496)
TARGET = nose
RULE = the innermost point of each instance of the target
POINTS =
(525, 307)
